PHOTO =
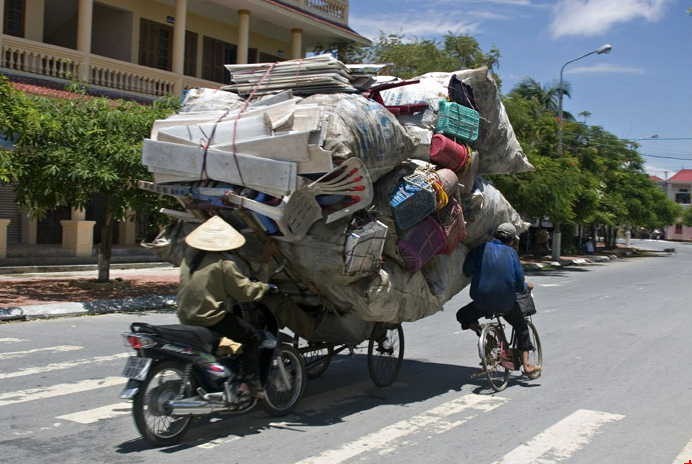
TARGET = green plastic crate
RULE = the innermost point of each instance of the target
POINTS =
(457, 121)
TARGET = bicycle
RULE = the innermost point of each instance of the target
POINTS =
(499, 358)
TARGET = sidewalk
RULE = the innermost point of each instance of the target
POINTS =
(27, 296)
(77, 293)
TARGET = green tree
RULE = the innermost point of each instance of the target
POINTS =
(68, 151)
(686, 218)
(599, 180)
(547, 97)
(409, 58)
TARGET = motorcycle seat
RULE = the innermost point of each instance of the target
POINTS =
(196, 337)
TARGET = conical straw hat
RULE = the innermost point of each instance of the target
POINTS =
(215, 235)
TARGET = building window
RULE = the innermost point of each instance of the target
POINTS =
(267, 58)
(678, 229)
(683, 196)
(216, 54)
(15, 12)
(252, 55)
(190, 54)
(155, 45)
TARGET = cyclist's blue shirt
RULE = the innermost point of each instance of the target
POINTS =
(497, 275)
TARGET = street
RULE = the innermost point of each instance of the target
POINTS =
(616, 388)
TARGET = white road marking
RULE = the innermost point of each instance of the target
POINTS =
(685, 455)
(94, 415)
(338, 395)
(62, 365)
(390, 437)
(11, 340)
(41, 393)
(561, 441)
(218, 442)
(60, 348)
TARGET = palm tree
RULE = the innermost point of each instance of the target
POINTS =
(547, 97)
(585, 114)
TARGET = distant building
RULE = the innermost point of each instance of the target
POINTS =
(141, 50)
(679, 189)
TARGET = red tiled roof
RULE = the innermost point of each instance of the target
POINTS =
(46, 91)
(655, 179)
(682, 176)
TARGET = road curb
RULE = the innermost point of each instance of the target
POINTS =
(64, 309)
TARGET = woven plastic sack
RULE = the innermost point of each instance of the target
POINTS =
(356, 126)
(484, 210)
(500, 151)
(204, 99)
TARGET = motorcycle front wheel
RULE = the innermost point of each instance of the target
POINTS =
(285, 382)
(149, 407)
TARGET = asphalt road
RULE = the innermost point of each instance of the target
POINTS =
(617, 388)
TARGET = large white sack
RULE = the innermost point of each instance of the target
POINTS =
(500, 151)
(484, 210)
(445, 274)
(356, 126)
(204, 99)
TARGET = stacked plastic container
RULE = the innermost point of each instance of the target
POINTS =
(427, 214)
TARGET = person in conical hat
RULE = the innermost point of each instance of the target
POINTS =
(212, 281)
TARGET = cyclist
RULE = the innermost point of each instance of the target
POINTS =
(496, 277)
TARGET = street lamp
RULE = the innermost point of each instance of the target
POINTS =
(602, 50)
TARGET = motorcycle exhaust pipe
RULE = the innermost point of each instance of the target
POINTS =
(193, 407)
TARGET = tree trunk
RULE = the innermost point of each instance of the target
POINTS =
(106, 245)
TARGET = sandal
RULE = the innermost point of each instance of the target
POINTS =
(534, 374)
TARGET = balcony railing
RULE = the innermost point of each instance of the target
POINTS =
(121, 75)
(39, 58)
(27, 56)
(334, 10)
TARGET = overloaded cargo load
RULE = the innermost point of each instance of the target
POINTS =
(371, 200)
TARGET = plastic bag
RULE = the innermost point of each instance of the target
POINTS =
(356, 126)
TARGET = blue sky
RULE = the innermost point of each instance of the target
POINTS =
(642, 88)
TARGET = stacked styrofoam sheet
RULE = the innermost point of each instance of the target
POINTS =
(308, 76)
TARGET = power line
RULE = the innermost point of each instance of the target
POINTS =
(664, 138)
(666, 157)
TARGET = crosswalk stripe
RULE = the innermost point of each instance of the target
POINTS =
(386, 438)
(94, 415)
(685, 455)
(61, 365)
(562, 440)
(11, 340)
(60, 348)
(52, 391)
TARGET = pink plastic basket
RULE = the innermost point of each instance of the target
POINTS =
(421, 242)
(451, 218)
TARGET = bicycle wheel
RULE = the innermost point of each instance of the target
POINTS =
(385, 354)
(489, 351)
(535, 355)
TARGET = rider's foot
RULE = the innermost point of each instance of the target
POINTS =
(532, 372)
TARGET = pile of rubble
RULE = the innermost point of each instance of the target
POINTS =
(369, 200)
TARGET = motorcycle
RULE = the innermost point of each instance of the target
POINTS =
(177, 374)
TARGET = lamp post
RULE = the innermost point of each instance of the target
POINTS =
(602, 50)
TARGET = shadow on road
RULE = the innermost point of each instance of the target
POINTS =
(344, 390)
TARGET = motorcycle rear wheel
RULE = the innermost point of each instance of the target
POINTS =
(279, 401)
(149, 409)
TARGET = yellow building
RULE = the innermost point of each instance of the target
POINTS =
(143, 49)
